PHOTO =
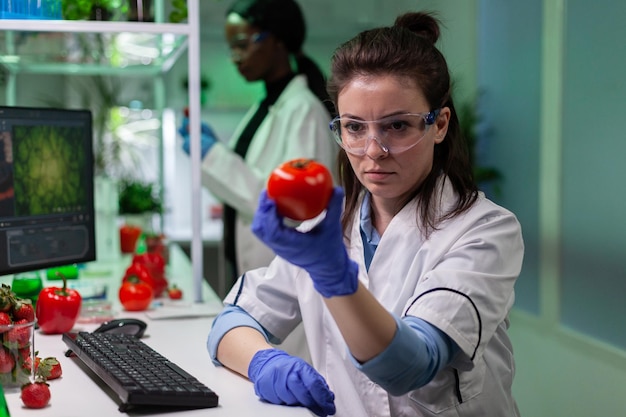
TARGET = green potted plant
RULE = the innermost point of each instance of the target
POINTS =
(138, 203)
(137, 197)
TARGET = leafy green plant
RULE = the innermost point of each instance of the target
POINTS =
(179, 11)
(85, 9)
(136, 197)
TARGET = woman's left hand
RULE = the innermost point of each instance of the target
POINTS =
(280, 378)
(320, 251)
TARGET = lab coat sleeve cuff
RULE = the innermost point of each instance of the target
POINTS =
(417, 352)
(232, 316)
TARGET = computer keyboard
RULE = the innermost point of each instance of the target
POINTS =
(138, 374)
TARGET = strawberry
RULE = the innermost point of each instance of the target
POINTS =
(36, 394)
(7, 361)
(24, 353)
(49, 368)
(18, 336)
(27, 363)
(5, 319)
(23, 310)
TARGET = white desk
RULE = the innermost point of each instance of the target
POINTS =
(80, 393)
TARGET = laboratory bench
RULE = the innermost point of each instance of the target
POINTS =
(176, 329)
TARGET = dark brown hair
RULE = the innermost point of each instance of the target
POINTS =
(407, 49)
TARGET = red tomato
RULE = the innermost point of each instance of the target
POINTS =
(141, 272)
(135, 295)
(301, 188)
(174, 293)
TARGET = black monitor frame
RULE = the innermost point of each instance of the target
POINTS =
(47, 215)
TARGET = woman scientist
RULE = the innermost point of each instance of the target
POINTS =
(404, 290)
(290, 122)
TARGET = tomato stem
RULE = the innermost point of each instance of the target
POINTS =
(301, 163)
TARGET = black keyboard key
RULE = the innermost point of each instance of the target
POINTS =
(138, 374)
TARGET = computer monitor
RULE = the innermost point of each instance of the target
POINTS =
(46, 188)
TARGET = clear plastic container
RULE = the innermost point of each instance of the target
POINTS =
(16, 343)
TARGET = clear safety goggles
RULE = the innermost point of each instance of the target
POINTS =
(244, 44)
(394, 134)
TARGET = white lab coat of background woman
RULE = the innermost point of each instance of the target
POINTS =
(469, 264)
(296, 126)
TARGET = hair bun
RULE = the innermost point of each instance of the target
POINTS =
(421, 23)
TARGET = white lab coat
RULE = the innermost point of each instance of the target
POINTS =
(461, 280)
(296, 126)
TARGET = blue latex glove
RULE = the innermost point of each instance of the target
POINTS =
(320, 251)
(280, 378)
(207, 137)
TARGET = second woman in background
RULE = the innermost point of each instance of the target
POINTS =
(264, 36)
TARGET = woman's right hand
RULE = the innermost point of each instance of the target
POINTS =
(320, 251)
(207, 137)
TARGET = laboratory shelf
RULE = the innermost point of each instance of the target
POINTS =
(124, 49)
(90, 48)
(72, 53)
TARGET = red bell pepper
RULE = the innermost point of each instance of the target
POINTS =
(58, 308)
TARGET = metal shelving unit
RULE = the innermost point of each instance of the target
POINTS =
(172, 39)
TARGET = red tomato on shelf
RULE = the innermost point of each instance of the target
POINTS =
(301, 188)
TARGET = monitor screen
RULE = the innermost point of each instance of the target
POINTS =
(46, 188)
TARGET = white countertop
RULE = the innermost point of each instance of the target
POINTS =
(80, 393)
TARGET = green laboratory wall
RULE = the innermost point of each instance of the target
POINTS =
(551, 72)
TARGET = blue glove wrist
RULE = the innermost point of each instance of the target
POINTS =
(280, 378)
(207, 138)
(337, 283)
